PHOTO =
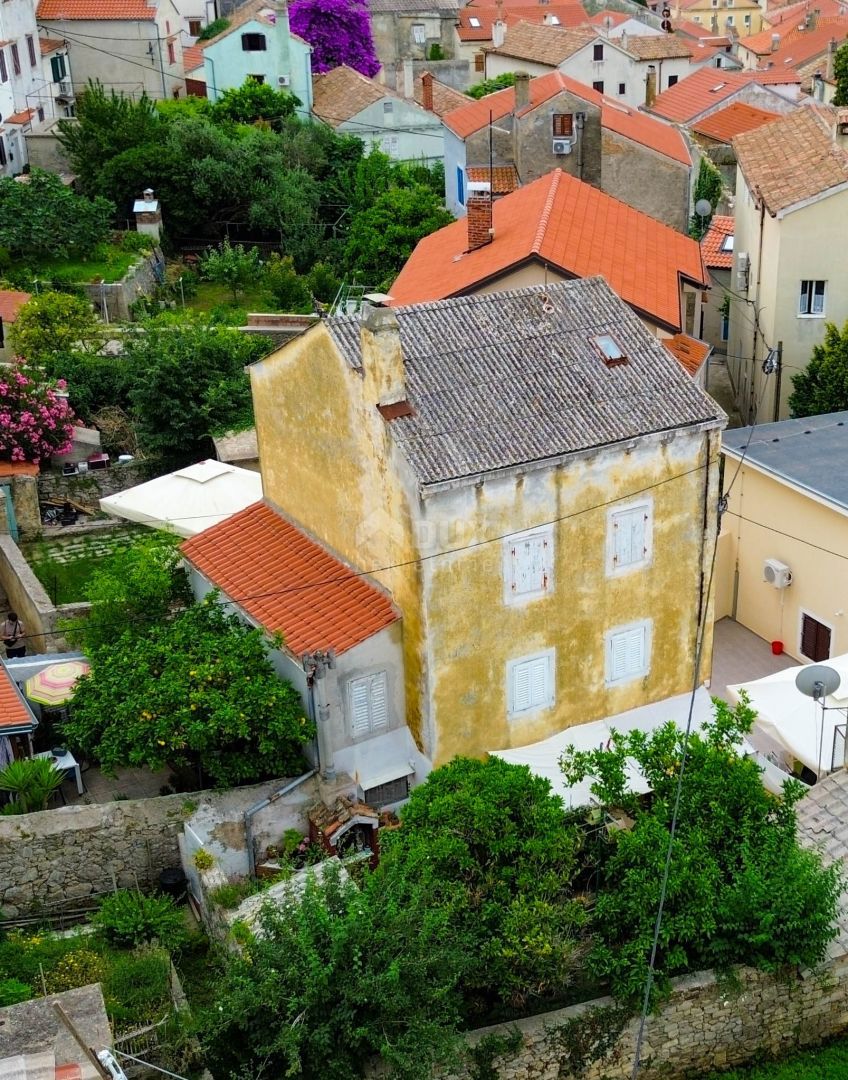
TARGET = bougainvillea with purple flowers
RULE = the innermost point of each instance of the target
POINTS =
(339, 32)
(35, 418)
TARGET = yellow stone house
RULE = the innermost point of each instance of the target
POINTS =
(530, 476)
(734, 18)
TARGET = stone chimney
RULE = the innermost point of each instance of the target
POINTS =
(498, 33)
(775, 42)
(817, 88)
(382, 356)
(650, 86)
(831, 55)
(408, 80)
(479, 216)
(148, 214)
(427, 91)
(522, 90)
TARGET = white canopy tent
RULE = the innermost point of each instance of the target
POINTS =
(189, 500)
(542, 758)
(792, 727)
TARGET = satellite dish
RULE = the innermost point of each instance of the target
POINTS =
(817, 681)
(703, 207)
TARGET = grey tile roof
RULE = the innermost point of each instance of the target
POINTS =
(823, 825)
(496, 381)
(802, 452)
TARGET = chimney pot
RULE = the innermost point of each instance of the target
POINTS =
(522, 90)
(479, 211)
(775, 42)
(650, 86)
(427, 91)
(382, 355)
(498, 33)
(408, 80)
(148, 194)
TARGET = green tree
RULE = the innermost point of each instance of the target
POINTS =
(382, 237)
(255, 102)
(177, 371)
(494, 835)
(30, 783)
(213, 29)
(840, 74)
(741, 890)
(823, 386)
(289, 290)
(52, 324)
(336, 979)
(137, 586)
(44, 218)
(197, 690)
(94, 381)
(491, 86)
(232, 265)
(707, 186)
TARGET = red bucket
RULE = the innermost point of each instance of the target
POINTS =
(777, 647)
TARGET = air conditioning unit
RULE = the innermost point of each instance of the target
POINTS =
(777, 573)
(742, 266)
(562, 147)
(283, 80)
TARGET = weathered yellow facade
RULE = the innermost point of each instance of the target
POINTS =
(329, 461)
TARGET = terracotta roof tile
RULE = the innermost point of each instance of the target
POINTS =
(122, 10)
(714, 257)
(11, 303)
(192, 58)
(793, 158)
(541, 44)
(18, 468)
(244, 14)
(656, 46)
(445, 98)
(736, 118)
(22, 117)
(689, 351)
(610, 19)
(644, 129)
(49, 45)
(14, 712)
(339, 94)
(704, 89)
(504, 178)
(798, 45)
(68, 1072)
(289, 583)
(572, 227)
(475, 23)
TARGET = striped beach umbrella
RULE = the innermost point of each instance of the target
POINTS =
(54, 685)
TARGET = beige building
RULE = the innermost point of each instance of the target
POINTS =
(789, 263)
(781, 568)
(717, 253)
(736, 17)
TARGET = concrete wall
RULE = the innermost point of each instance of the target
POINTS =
(756, 525)
(24, 494)
(533, 141)
(394, 40)
(646, 180)
(27, 596)
(711, 321)
(406, 132)
(112, 302)
(44, 150)
(707, 1023)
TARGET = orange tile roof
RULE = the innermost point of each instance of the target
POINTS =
(706, 88)
(68, 1072)
(541, 44)
(615, 116)
(655, 46)
(22, 117)
(736, 118)
(14, 712)
(11, 303)
(289, 583)
(192, 57)
(18, 468)
(569, 15)
(702, 33)
(49, 45)
(504, 178)
(610, 18)
(339, 94)
(570, 226)
(445, 98)
(800, 46)
(123, 10)
(689, 351)
(793, 158)
(720, 228)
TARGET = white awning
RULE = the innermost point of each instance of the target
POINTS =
(382, 759)
(793, 726)
(189, 500)
(542, 758)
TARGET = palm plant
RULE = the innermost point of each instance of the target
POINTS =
(31, 783)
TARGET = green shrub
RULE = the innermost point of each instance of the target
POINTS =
(217, 26)
(289, 290)
(229, 896)
(825, 1063)
(323, 283)
(202, 859)
(137, 987)
(13, 991)
(80, 967)
(25, 956)
(134, 241)
(128, 918)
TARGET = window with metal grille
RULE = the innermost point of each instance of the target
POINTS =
(528, 565)
(16, 59)
(629, 537)
(628, 652)
(253, 43)
(811, 300)
(815, 639)
(563, 125)
(392, 792)
(31, 50)
(368, 704)
(530, 683)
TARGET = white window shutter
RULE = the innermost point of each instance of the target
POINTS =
(522, 692)
(539, 680)
(359, 711)
(618, 657)
(635, 650)
(379, 702)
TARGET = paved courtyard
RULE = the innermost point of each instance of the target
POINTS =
(740, 656)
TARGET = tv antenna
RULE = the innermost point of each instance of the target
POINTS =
(818, 681)
(703, 208)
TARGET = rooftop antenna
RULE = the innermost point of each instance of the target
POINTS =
(703, 208)
(818, 681)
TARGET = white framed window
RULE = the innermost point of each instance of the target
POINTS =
(529, 565)
(388, 106)
(811, 300)
(530, 683)
(629, 537)
(729, 20)
(628, 652)
(389, 145)
(368, 704)
(474, 21)
(746, 19)
(419, 33)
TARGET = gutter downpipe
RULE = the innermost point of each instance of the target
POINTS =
(580, 119)
(254, 810)
(752, 398)
(161, 62)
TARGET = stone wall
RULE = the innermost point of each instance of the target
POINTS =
(26, 596)
(88, 488)
(112, 302)
(707, 1023)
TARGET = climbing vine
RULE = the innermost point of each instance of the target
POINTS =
(587, 1038)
